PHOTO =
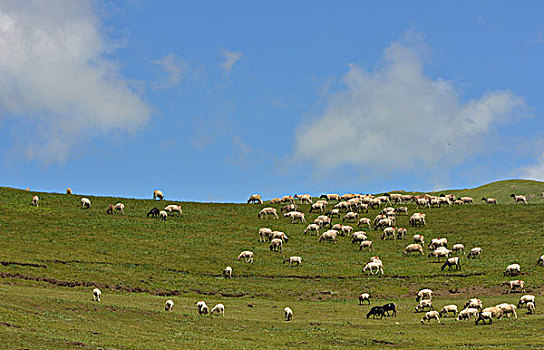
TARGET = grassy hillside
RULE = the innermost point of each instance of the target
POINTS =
(52, 257)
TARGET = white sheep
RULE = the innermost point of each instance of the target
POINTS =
(467, 314)
(346, 230)
(169, 305)
(484, 316)
(295, 216)
(350, 216)
(163, 215)
(227, 272)
(411, 248)
(425, 303)
(246, 255)
(318, 206)
(304, 198)
(424, 294)
(540, 260)
(219, 308)
(35, 201)
(440, 252)
(366, 244)
(508, 309)
(474, 253)
(364, 221)
(489, 200)
(364, 297)
(293, 260)
(389, 232)
(343, 206)
(329, 235)
(458, 248)
(85, 203)
(373, 265)
(515, 285)
(531, 307)
(255, 198)
(519, 198)
(325, 220)
(279, 235)
(288, 313)
(495, 312)
(419, 239)
(264, 234)
(96, 294)
(119, 207)
(287, 199)
(438, 242)
(429, 316)
(467, 199)
(268, 211)
(447, 309)
(312, 228)
(512, 270)
(173, 208)
(202, 307)
(276, 245)
(357, 237)
(474, 304)
(333, 212)
(158, 194)
(528, 298)
(417, 219)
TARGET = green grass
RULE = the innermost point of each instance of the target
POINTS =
(138, 263)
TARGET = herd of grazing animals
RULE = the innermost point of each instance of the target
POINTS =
(352, 205)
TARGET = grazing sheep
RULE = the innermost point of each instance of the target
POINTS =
(275, 201)
(350, 216)
(417, 219)
(376, 311)
(512, 270)
(267, 211)
(109, 210)
(325, 220)
(227, 272)
(430, 315)
(346, 230)
(390, 307)
(440, 252)
(289, 207)
(458, 248)
(514, 285)
(387, 222)
(424, 294)
(484, 316)
(401, 233)
(119, 207)
(68, 190)
(255, 198)
(246, 255)
(330, 197)
(364, 221)
(422, 202)
(333, 212)
(276, 245)
(295, 216)
(528, 298)
(540, 260)
(495, 312)
(419, 239)
(202, 307)
(467, 199)
(158, 194)
(474, 303)
(312, 228)
(304, 198)
(364, 297)
(287, 199)
(447, 309)
(508, 309)
(411, 248)
(338, 227)
(163, 215)
(279, 235)
(425, 303)
(35, 201)
(373, 265)
(489, 200)
(318, 206)
(389, 232)
(474, 253)
(401, 210)
(342, 206)
(154, 212)
(531, 307)
(288, 314)
(467, 313)
(366, 244)
(292, 260)
(169, 305)
(329, 235)
(173, 208)
(85, 203)
(438, 242)
(96, 294)
(264, 234)
(519, 198)
(357, 237)
(219, 308)
(452, 262)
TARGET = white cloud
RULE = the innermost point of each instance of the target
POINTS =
(174, 68)
(57, 80)
(535, 171)
(397, 118)
(230, 58)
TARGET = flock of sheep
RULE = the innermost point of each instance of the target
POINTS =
(351, 206)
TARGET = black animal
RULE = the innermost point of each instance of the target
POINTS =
(390, 307)
(376, 311)
(153, 212)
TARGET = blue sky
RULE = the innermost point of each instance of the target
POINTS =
(213, 101)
